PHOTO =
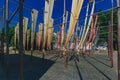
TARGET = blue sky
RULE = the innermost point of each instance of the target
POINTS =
(57, 11)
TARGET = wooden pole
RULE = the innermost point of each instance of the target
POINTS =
(110, 42)
(118, 14)
(65, 58)
(21, 48)
(2, 35)
(111, 37)
(7, 37)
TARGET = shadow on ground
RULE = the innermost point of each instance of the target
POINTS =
(33, 67)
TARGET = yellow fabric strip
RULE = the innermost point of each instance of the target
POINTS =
(76, 8)
(85, 24)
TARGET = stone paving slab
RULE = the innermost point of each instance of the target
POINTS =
(94, 67)
(2, 73)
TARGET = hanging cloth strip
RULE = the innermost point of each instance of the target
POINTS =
(47, 17)
(65, 17)
(28, 38)
(85, 24)
(15, 34)
(34, 15)
(76, 8)
(87, 29)
(39, 36)
(50, 32)
(25, 25)
(92, 33)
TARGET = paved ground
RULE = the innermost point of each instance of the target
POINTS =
(94, 67)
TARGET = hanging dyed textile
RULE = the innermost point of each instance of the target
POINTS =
(92, 33)
(58, 40)
(39, 36)
(37, 39)
(34, 15)
(28, 38)
(15, 34)
(47, 17)
(25, 25)
(76, 8)
(63, 27)
(87, 29)
(85, 24)
(50, 32)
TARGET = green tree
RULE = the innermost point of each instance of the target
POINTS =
(54, 38)
(11, 35)
(104, 20)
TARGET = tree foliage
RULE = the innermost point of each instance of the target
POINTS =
(104, 24)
